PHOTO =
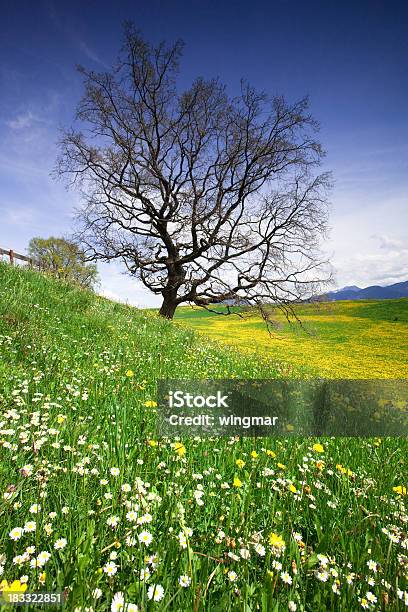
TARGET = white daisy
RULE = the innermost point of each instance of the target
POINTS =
(110, 568)
(184, 581)
(145, 537)
(155, 592)
(16, 533)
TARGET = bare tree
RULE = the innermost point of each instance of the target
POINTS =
(206, 198)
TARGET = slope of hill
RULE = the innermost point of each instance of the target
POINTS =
(374, 292)
(44, 317)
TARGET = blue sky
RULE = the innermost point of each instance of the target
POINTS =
(350, 57)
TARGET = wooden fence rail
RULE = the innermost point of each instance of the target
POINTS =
(12, 255)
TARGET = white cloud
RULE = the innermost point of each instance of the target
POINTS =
(111, 295)
(121, 287)
(390, 244)
(382, 264)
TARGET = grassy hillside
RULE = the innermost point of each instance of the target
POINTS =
(93, 503)
(364, 339)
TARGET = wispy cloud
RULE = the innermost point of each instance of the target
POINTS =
(21, 216)
(91, 54)
(23, 121)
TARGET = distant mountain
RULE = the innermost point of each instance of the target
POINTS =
(374, 292)
(350, 288)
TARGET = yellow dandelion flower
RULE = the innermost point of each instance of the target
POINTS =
(276, 541)
(150, 404)
(270, 453)
(8, 589)
(129, 373)
(281, 466)
(343, 470)
(400, 490)
(152, 442)
(318, 448)
(254, 454)
(237, 482)
(179, 448)
(240, 463)
(12, 587)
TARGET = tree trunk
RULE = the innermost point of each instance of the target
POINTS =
(175, 278)
(168, 308)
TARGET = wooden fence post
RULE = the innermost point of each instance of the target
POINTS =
(14, 257)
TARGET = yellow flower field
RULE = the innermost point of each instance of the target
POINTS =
(365, 339)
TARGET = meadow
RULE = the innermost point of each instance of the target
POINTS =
(360, 339)
(93, 504)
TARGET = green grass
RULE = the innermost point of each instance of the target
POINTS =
(363, 339)
(78, 380)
